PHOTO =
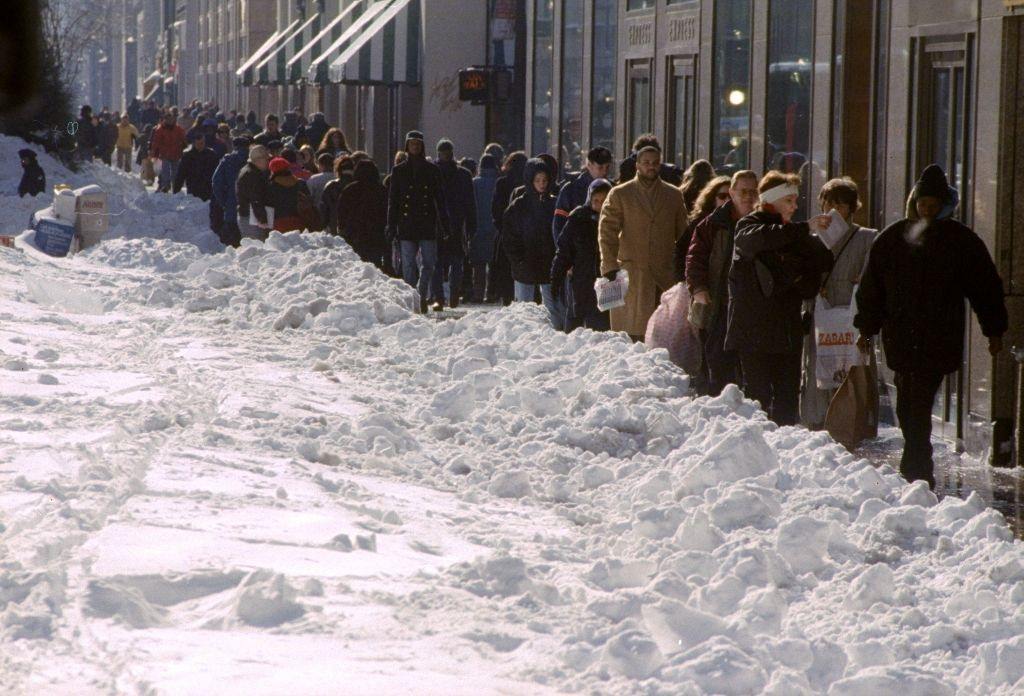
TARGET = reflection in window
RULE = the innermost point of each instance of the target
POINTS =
(543, 67)
(605, 49)
(639, 72)
(788, 110)
(730, 118)
(571, 141)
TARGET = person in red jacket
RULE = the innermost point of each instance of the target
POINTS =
(167, 144)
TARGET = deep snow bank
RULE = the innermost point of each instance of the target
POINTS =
(134, 212)
(715, 553)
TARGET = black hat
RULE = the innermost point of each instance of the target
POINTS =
(241, 141)
(445, 145)
(413, 135)
(489, 161)
(27, 154)
(933, 183)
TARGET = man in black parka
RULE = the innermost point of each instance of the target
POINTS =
(920, 271)
(417, 214)
(33, 180)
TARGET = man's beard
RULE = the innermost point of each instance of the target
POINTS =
(648, 177)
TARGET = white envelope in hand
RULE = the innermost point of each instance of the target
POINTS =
(836, 230)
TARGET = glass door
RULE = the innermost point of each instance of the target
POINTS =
(682, 110)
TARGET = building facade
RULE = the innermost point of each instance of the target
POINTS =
(871, 89)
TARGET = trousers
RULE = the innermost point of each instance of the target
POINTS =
(773, 379)
(427, 252)
(915, 397)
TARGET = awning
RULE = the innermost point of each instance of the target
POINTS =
(387, 52)
(272, 69)
(318, 69)
(299, 65)
(247, 73)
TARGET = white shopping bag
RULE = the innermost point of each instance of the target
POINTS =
(835, 343)
(612, 293)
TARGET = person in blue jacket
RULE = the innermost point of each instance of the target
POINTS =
(224, 191)
(481, 246)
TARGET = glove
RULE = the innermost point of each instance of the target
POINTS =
(610, 275)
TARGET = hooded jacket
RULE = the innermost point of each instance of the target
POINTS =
(526, 231)
(225, 176)
(33, 180)
(283, 196)
(775, 266)
(481, 246)
(416, 204)
(362, 213)
(578, 250)
(913, 291)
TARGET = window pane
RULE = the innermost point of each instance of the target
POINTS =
(543, 67)
(940, 118)
(639, 4)
(958, 174)
(572, 148)
(788, 112)
(602, 109)
(681, 105)
(639, 100)
(731, 86)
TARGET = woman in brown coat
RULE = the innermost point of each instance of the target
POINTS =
(640, 223)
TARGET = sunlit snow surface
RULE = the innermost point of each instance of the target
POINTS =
(257, 472)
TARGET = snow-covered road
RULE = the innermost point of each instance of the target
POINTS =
(257, 472)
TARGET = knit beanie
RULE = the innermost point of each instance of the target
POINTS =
(933, 183)
(279, 165)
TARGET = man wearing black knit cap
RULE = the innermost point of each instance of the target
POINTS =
(920, 271)
(417, 215)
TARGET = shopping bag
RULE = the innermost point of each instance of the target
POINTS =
(669, 328)
(612, 293)
(852, 415)
(835, 344)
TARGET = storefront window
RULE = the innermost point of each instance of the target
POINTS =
(571, 147)
(639, 72)
(543, 68)
(602, 108)
(788, 109)
(730, 117)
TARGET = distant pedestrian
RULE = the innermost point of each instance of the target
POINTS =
(271, 131)
(527, 240)
(334, 142)
(85, 135)
(127, 134)
(417, 214)
(362, 214)
(578, 252)
(481, 246)
(457, 185)
(251, 192)
(225, 177)
(33, 180)
(283, 194)
(920, 271)
(319, 181)
(344, 167)
(695, 178)
(640, 223)
(167, 145)
(500, 285)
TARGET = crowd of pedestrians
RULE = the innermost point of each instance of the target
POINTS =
(507, 227)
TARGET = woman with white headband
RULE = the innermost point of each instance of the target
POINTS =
(776, 264)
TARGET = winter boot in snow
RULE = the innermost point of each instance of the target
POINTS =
(438, 306)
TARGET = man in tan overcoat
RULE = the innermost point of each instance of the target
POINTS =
(640, 223)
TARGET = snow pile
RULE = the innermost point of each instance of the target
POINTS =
(134, 212)
(293, 280)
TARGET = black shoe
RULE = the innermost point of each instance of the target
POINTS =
(454, 302)
(423, 306)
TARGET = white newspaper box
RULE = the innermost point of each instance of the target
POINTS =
(91, 218)
(64, 202)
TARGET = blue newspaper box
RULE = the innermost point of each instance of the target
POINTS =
(53, 236)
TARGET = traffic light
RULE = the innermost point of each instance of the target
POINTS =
(485, 84)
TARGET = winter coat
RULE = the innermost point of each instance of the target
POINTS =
(283, 196)
(251, 193)
(362, 213)
(196, 172)
(33, 180)
(316, 130)
(225, 176)
(86, 133)
(577, 250)
(291, 123)
(526, 234)
(167, 142)
(329, 201)
(106, 136)
(638, 230)
(265, 136)
(126, 136)
(417, 210)
(150, 116)
(709, 256)
(457, 184)
(775, 266)
(914, 295)
(481, 246)
(572, 195)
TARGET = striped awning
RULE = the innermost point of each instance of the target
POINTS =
(273, 69)
(247, 73)
(387, 52)
(299, 64)
(319, 68)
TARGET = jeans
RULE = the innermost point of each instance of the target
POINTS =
(450, 263)
(524, 292)
(479, 281)
(773, 379)
(427, 262)
(915, 396)
(168, 170)
(124, 159)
